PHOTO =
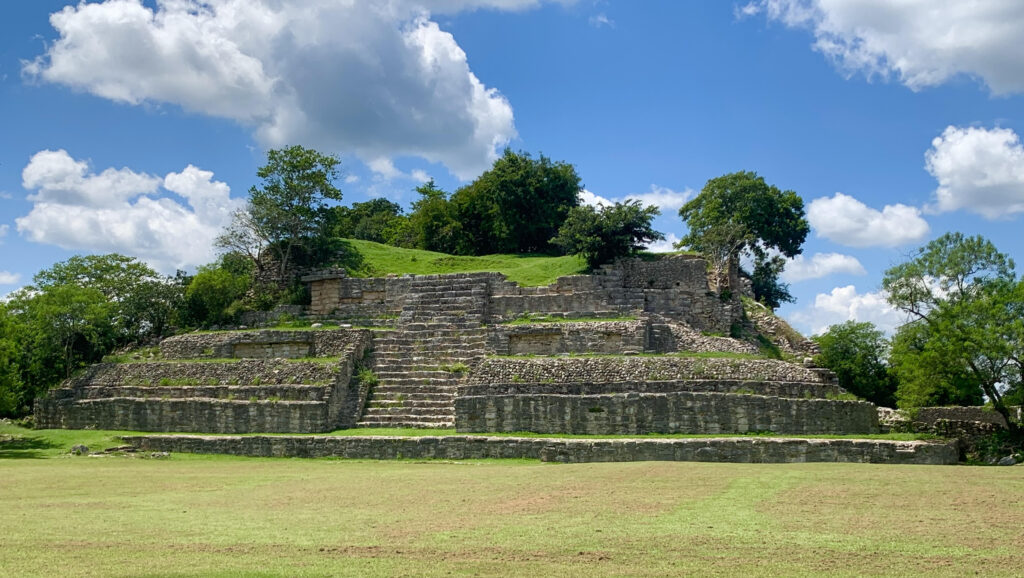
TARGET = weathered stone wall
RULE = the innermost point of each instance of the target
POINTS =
(243, 372)
(248, 396)
(555, 338)
(183, 415)
(337, 295)
(640, 368)
(228, 392)
(789, 389)
(665, 336)
(739, 450)
(263, 344)
(675, 286)
(644, 413)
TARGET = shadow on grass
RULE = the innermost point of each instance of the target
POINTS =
(24, 447)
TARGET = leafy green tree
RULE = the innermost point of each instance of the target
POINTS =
(143, 301)
(376, 220)
(926, 376)
(289, 209)
(857, 353)
(517, 206)
(12, 387)
(213, 291)
(605, 234)
(739, 214)
(968, 308)
(768, 289)
(432, 223)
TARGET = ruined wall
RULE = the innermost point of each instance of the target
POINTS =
(739, 450)
(263, 344)
(248, 396)
(555, 338)
(184, 415)
(640, 368)
(242, 372)
(645, 413)
(334, 294)
(674, 286)
(800, 390)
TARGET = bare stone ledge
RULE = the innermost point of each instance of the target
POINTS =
(736, 450)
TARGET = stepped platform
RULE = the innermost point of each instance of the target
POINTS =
(268, 382)
(760, 450)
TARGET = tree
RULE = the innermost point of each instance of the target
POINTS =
(739, 214)
(12, 387)
(967, 307)
(857, 353)
(605, 234)
(214, 289)
(377, 220)
(288, 209)
(143, 301)
(517, 206)
(768, 289)
(432, 223)
(926, 376)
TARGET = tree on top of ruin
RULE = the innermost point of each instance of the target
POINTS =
(739, 214)
(288, 209)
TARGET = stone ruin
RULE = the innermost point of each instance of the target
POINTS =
(480, 354)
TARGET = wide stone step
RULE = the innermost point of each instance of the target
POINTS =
(418, 395)
(439, 404)
(417, 421)
(451, 379)
(438, 424)
(414, 387)
(407, 410)
(383, 375)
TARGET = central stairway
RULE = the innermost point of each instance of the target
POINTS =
(419, 366)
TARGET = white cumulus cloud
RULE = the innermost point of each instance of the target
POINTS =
(376, 78)
(821, 265)
(71, 210)
(666, 199)
(922, 43)
(846, 220)
(845, 304)
(7, 278)
(980, 170)
(666, 245)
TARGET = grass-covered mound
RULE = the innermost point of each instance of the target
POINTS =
(369, 259)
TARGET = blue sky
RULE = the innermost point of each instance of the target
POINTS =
(138, 126)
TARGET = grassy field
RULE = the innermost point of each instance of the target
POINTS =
(379, 260)
(212, 515)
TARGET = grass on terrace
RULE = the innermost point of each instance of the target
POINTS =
(226, 516)
(377, 260)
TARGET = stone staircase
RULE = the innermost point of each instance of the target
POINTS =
(420, 365)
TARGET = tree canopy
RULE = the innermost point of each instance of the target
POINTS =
(857, 353)
(605, 234)
(967, 311)
(515, 207)
(740, 214)
(288, 209)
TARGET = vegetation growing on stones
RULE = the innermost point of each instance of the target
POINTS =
(740, 215)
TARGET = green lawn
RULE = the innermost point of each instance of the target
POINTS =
(527, 270)
(224, 516)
